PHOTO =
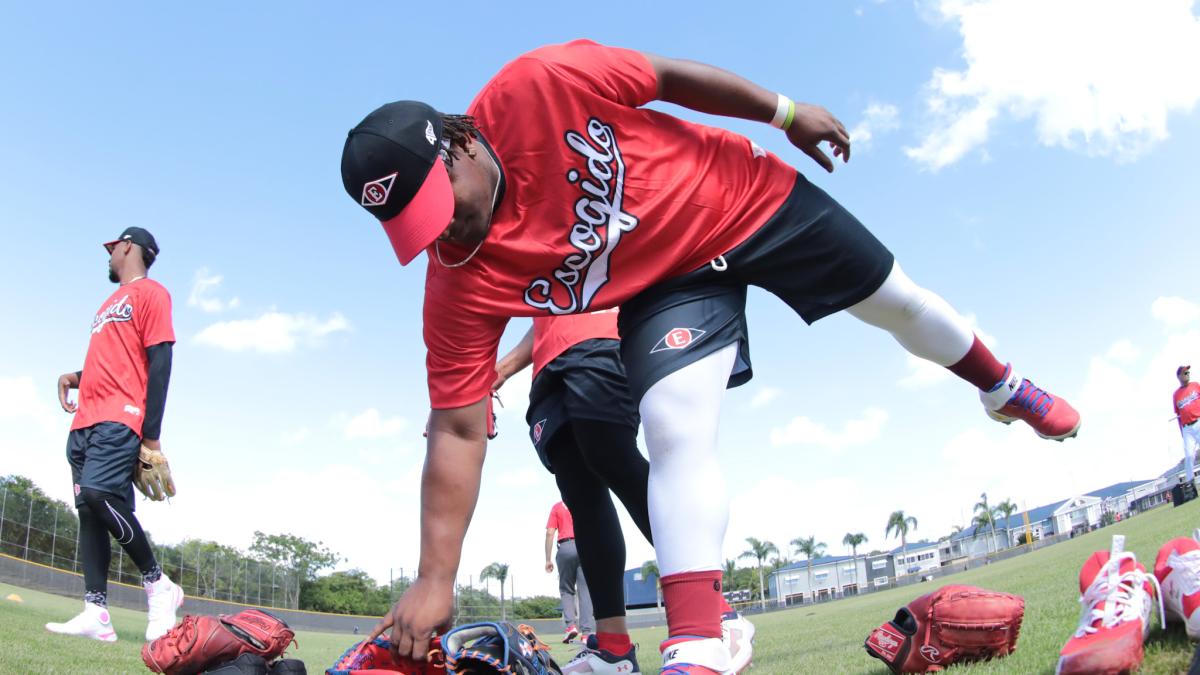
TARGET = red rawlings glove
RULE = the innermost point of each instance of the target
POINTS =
(950, 625)
(201, 642)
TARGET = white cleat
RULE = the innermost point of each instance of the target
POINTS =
(93, 622)
(738, 635)
(163, 597)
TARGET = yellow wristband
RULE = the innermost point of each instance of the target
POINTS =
(791, 115)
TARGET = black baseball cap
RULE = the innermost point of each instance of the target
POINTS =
(139, 236)
(391, 166)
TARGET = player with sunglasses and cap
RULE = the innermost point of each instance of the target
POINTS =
(122, 395)
(559, 193)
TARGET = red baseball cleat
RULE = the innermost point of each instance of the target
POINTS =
(1118, 597)
(1016, 398)
(1178, 571)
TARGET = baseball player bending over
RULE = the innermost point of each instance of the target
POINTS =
(559, 194)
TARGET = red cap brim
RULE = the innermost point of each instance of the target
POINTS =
(426, 216)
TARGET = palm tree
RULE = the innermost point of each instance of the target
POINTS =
(499, 572)
(650, 569)
(1006, 508)
(811, 549)
(901, 524)
(759, 550)
(985, 516)
(854, 541)
(729, 575)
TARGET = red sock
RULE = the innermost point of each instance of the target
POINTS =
(693, 601)
(979, 367)
(613, 643)
(725, 608)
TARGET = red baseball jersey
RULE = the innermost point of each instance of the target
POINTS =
(113, 388)
(1187, 403)
(602, 199)
(560, 519)
(553, 335)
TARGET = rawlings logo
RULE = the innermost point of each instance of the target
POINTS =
(376, 192)
(120, 310)
(600, 220)
(886, 642)
(930, 653)
(678, 338)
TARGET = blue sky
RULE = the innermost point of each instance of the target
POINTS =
(1033, 162)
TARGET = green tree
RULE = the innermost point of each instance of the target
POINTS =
(538, 607)
(901, 525)
(351, 592)
(729, 575)
(985, 517)
(650, 569)
(854, 540)
(499, 572)
(811, 550)
(759, 550)
(300, 557)
(1006, 509)
(476, 604)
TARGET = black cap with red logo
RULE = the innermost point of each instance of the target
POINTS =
(391, 166)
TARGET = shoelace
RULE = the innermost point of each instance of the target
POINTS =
(1033, 399)
(1118, 592)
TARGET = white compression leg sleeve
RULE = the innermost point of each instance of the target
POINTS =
(689, 507)
(920, 320)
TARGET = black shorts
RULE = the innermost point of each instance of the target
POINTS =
(586, 382)
(103, 457)
(813, 254)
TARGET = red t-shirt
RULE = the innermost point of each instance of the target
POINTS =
(113, 387)
(560, 519)
(553, 335)
(1187, 403)
(602, 199)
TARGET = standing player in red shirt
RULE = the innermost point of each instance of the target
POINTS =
(1186, 403)
(578, 615)
(122, 394)
(586, 200)
(583, 426)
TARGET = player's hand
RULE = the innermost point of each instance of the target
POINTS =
(153, 444)
(811, 126)
(501, 378)
(66, 383)
(426, 607)
(549, 567)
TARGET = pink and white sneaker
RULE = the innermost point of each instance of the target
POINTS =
(1118, 597)
(93, 622)
(1178, 571)
(1016, 398)
(703, 656)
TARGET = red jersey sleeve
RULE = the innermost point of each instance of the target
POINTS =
(461, 356)
(621, 75)
(153, 316)
(552, 521)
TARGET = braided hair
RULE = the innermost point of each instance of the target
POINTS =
(456, 131)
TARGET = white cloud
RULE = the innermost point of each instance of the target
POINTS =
(923, 373)
(273, 332)
(764, 396)
(878, 119)
(290, 438)
(1174, 311)
(370, 424)
(35, 433)
(1123, 352)
(802, 430)
(1100, 76)
(203, 285)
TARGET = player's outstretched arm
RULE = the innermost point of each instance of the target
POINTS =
(709, 89)
(515, 361)
(67, 382)
(449, 491)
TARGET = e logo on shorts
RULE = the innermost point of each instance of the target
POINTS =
(678, 338)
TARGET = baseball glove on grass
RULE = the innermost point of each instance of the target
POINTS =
(201, 642)
(484, 648)
(950, 625)
(153, 475)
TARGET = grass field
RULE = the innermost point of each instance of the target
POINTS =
(822, 639)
